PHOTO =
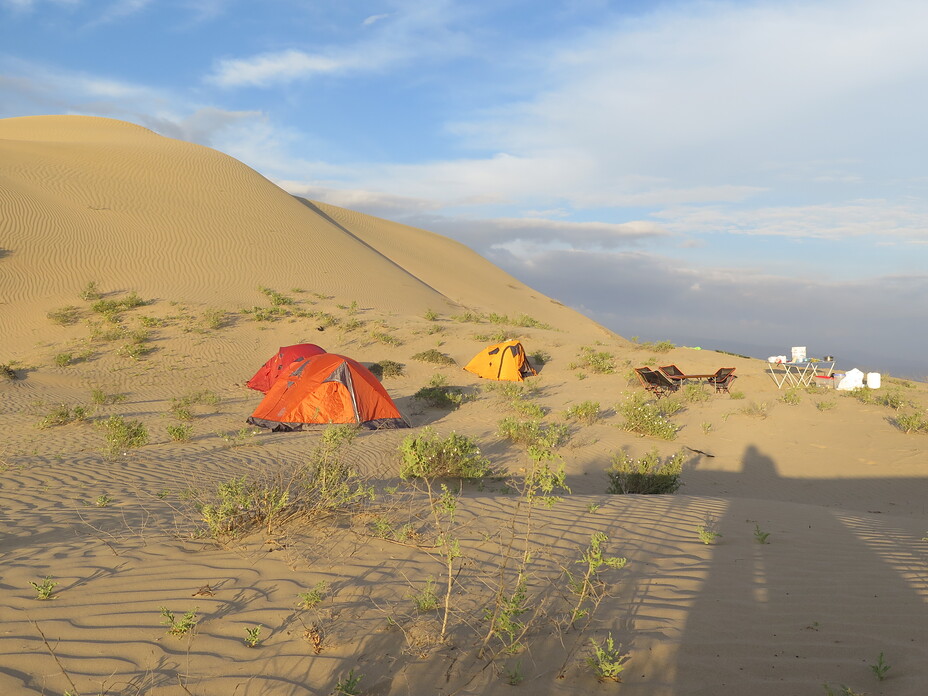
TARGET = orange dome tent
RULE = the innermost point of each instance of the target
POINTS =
(326, 388)
(503, 361)
(267, 375)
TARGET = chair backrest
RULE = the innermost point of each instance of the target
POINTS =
(641, 372)
(722, 374)
(659, 380)
(671, 370)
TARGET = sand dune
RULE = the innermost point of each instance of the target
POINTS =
(837, 486)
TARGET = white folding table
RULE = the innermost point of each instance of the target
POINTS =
(799, 374)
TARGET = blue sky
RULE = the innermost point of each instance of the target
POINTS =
(741, 175)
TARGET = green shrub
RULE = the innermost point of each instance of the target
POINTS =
(645, 418)
(90, 292)
(468, 317)
(277, 299)
(385, 338)
(180, 432)
(63, 415)
(429, 456)
(433, 356)
(647, 475)
(911, 423)
(440, 396)
(100, 397)
(64, 359)
(695, 392)
(387, 368)
(122, 435)
(214, 319)
(600, 362)
(539, 357)
(585, 412)
(791, 396)
(65, 316)
(7, 371)
(533, 433)
(431, 315)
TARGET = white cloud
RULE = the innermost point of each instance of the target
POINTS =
(268, 68)
(373, 19)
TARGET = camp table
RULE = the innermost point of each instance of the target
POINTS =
(799, 374)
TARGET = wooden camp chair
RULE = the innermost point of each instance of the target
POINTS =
(722, 379)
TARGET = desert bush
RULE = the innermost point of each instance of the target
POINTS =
(826, 404)
(266, 313)
(277, 299)
(64, 316)
(101, 398)
(646, 475)
(791, 396)
(106, 332)
(64, 359)
(607, 661)
(598, 361)
(656, 346)
(428, 456)
(431, 315)
(439, 395)
(122, 435)
(533, 433)
(539, 357)
(322, 487)
(181, 408)
(756, 410)
(434, 356)
(387, 368)
(63, 415)
(7, 371)
(180, 432)
(90, 292)
(468, 317)
(646, 419)
(386, 338)
(911, 422)
(585, 412)
(214, 319)
(695, 392)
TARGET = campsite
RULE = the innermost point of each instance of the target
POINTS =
(161, 536)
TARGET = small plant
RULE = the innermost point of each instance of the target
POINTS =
(791, 396)
(533, 433)
(65, 316)
(214, 319)
(387, 368)
(434, 356)
(607, 661)
(63, 415)
(180, 432)
(431, 315)
(311, 599)
(101, 398)
(349, 685)
(64, 359)
(122, 435)
(90, 292)
(7, 371)
(695, 392)
(439, 395)
(586, 412)
(911, 423)
(253, 636)
(277, 299)
(600, 362)
(426, 599)
(759, 536)
(880, 668)
(385, 338)
(647, 475)
(539, 357)
(586, 587)
(825, 404)
(44, 589)
(644, 418)
(103, 501)
(429, 456)
(736, 395)
(514, 675)
(706, 427)
(843, 691)
(707, 531)
(182, 626)
(756, 410)
(239, 438)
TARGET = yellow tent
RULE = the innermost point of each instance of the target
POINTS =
(504, 361)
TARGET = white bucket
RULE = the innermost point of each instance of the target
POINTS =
(873, 380)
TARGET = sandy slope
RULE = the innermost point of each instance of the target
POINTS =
(840, 490)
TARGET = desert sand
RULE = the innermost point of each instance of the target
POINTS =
(835, 490)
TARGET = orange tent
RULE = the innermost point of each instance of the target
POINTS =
(326, 388)
(267, 375)
(503, 361)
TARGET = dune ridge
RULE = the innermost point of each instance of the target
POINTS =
(838, 488)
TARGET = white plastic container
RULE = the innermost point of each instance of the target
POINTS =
(873, 380)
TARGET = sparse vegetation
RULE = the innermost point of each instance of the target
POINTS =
(429, 456)
(439, 395)
(63, 415)
(539, 357)
(791, 396)
(644, 418)
(708, 531)
(277, 299)
(64, 316)
(122, 435)
(607, 661)
(911, 422)
(314, 597)
(586, 412)
(597, 361)
(434, 356)
(533, 433)
(90, 292)
(646, 475)
(760, 536)
(45, 589)
(253, 636)
(180, 432)
(880, 668)
(179, 627)
(7, 372)
(387, 368)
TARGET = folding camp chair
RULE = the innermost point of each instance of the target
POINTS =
(655, 382)
(722, 379)
(673, 373)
